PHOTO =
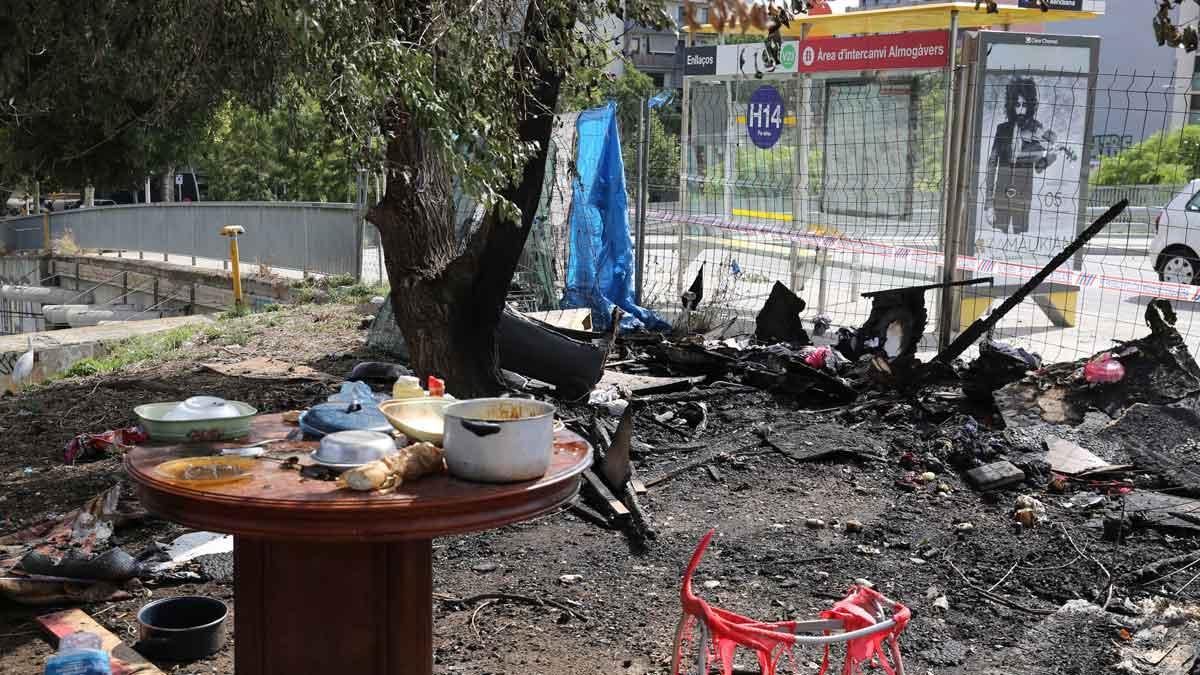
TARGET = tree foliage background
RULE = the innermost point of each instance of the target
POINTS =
(1167, 157)
(628, 90)
(289, 152)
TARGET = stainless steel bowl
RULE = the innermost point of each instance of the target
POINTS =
(347, 449)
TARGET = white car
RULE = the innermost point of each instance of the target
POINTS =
(1177, 237)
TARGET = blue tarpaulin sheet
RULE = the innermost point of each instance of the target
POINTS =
(600, 265)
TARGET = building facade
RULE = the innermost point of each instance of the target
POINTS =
(659, 53)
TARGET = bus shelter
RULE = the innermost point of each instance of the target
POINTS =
(842, 163)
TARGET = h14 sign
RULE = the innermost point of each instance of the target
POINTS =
(764, 117)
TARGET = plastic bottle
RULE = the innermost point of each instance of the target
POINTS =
(436, 387)
(1104, 369)
(79, 654)
(407, 386)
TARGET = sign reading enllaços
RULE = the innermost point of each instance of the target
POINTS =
(750, 59)
(921, 49)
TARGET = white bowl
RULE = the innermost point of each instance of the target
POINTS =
(202, 408)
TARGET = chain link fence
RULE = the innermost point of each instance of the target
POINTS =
(1044, 166)
(856, 165)
(850, 197)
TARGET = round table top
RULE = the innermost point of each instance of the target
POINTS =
(277, 503)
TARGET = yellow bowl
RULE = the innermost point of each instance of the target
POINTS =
(418, 418)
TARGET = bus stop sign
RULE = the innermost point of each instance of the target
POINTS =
(764, 118)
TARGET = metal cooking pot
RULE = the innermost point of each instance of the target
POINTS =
(186, 628)
(498, 440)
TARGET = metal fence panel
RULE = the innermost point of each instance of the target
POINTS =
(23, 233)
(331, 247)
(153, 234)
(1101, 295)
(862, 210)
(847, 200)
(319, 238)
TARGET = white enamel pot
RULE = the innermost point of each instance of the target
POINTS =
(498, 440)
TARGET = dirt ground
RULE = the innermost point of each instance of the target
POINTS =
(769, 560)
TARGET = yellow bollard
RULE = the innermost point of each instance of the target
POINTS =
(232, 231)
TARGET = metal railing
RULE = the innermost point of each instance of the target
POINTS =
(319, 238)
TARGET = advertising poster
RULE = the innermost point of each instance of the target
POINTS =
(868, 143)
(1034, 113)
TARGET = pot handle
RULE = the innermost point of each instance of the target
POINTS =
(480, 428)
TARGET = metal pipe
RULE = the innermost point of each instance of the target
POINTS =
(91, 288)
(46, 295)
(729, 166)
(949, 237)
(78, 318)
(800, 178)
(685, 150)
(642, 189)
(981, 326)
(232, 231)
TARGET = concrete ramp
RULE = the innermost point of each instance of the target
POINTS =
(58, 350)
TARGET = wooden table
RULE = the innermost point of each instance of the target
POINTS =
(329, 580)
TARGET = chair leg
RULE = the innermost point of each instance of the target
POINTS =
(677, 651)
(897, 659)
(699, 636)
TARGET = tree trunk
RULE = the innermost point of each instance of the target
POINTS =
(168, 185)
(448, 304)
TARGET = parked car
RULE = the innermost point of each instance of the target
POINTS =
(1177, 237)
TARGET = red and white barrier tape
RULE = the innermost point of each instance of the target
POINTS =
(986, 266)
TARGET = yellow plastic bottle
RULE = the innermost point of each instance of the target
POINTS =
(407, 386)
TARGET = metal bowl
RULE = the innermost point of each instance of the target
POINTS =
(418, 418)
(348, 449)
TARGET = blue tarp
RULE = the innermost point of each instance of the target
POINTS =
(600, 266)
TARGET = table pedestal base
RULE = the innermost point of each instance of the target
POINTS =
(354, 609)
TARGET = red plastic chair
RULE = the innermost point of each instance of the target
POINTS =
(858, 620)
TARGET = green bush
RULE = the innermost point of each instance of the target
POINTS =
(85, 368)
(339, 288)
(1167, 157)
(155, 346)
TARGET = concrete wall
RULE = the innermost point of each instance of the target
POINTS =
(170, 285)
(161, 289)
(56, 351)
